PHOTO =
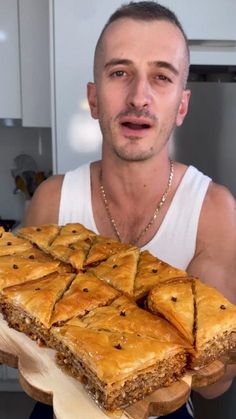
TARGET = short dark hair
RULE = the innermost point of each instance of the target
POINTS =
(146, 11)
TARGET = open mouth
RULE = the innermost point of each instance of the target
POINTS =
(135, 126)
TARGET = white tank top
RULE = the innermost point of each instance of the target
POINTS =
(174, 242)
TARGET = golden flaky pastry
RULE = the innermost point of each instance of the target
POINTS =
(215, 323)
(85, 293)
(201, 313)
(152, 271)
(10, 244)
(119, 270)
(42, 235)
(114, 356)
(72, 244)
(119, 351)
(123, 315)
(114, 365)
(71, 251)
(103, 248)
(174, 300)
(16, 269)
(34, 301)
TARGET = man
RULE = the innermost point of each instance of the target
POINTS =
(135, 193)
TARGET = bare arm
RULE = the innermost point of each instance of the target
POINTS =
(215, 259)
(44, 206)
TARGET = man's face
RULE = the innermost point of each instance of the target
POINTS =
(139, 96)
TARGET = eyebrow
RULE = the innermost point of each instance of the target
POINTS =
(117, 61)
(167, 65)
(158, 64)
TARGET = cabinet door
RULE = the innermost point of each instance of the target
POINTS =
(10, 102)
(206, 19)
(35, 62)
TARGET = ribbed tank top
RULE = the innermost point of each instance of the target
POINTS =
(174, 242)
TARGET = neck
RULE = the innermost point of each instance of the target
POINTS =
(113, 200)
(130, 180)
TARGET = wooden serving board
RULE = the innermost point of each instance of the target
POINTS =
(44, 381)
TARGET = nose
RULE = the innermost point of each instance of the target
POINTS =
(139, 94)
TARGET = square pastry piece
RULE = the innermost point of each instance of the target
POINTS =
(200, 313)
(117, 367)
(120, 352)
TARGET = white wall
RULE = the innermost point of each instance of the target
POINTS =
(76, 27)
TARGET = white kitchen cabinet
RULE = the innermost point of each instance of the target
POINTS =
(35, 62)
(208, 20)
(210, 27)
(10, 100)
(25, 62)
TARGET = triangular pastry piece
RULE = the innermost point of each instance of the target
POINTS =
(85, 293)
(28, 307)
(152, 271)
(71, 252)
(123, 315)
(10, 244)
(37, 255)
(117, 368)
(72, 244)
(174, 300)
(42, 235)
(104, 247)
(34, 253)
(16, 269)
(76, 230)
(215, 324)
(119, 270)
(79, 253)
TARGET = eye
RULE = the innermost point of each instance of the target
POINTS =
(162, 78)
(118, 73)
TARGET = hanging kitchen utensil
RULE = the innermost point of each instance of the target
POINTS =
(24, 162)
(29, 177)
(22, 186)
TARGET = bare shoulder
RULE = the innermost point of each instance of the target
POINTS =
(219, 208)
(215, 257)
(44, 206)
(217, 225)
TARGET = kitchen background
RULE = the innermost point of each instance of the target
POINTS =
(23, 142)
(25, 102)
(45, 65)
(46, 53)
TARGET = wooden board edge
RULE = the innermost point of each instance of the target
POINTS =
(208, 375)
(8, 359)
(35, 392)
(161, 402)
(232, 357)
(13, 361)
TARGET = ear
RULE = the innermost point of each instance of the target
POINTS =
(183, 107)
(92, 99)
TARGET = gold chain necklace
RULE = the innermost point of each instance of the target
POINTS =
(154, 216)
